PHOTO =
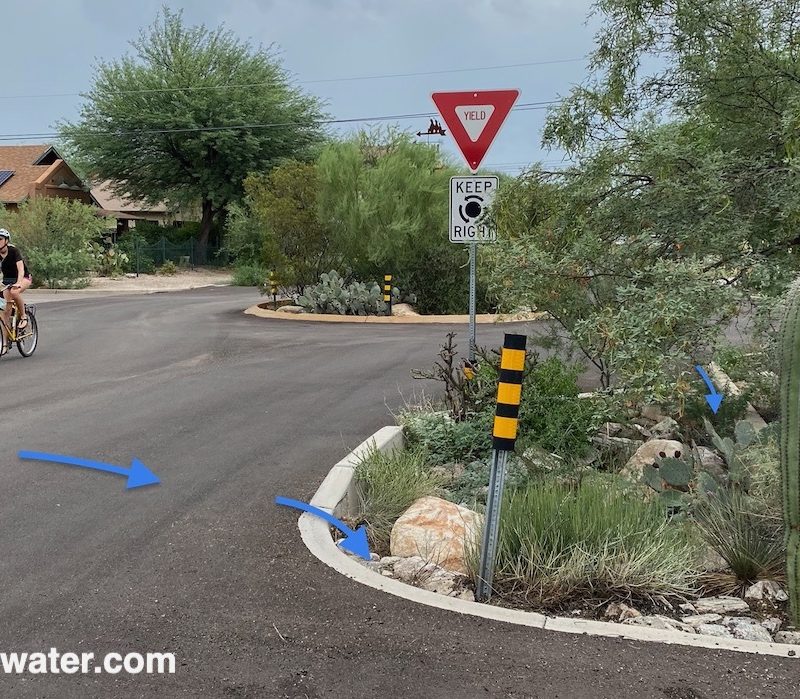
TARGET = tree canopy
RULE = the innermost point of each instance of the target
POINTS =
(685, 198)
(189, 115)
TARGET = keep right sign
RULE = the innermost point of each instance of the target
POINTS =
(469, 199)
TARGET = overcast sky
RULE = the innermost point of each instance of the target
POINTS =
(51, 47)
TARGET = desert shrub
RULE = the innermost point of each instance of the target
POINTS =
(168, 268)
(551, 414)
(598, 541)
(249, 275)
(447, 440)
(387, 484)
(333, 295)
(735, 527)
(109, 260)
(53, 235)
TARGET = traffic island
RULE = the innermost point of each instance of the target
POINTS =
(337, 495)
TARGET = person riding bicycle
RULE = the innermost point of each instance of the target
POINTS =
(16, 278)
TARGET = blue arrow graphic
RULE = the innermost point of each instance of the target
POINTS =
(355, 541)
(138, 474)
(714, 399)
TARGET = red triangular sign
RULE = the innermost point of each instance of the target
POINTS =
(474, 118)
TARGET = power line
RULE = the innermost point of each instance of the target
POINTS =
(304, 82)
(195, 129)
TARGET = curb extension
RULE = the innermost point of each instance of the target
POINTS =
(482, 319)
(337, 496)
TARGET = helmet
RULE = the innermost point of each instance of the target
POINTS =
(5, 234)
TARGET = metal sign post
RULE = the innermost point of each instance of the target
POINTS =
(473, 252)
(504, 435)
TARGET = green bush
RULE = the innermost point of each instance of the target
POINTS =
(249, 275)
(445, 439)
(53, 235)
(595, 541)
(551, 414)
(387, 484)
(168, 268)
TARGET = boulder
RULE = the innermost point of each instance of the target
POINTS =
(436, 530)
(291, 309)
(649, 454)
(721, 605)
(747, 629)
(403, 310)
(666, 429)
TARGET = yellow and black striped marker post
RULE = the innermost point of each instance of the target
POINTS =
(504, 436)
(273, 289)
(387, 293)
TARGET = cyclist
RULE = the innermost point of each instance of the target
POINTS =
(16, 278)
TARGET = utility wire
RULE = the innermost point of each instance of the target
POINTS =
(303, 82)
(195, 129)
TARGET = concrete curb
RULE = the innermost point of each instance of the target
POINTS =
(481, 319)
(337, 495)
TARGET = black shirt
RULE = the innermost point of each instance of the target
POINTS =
(9, 263)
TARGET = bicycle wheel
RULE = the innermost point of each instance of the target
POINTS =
(28, 338)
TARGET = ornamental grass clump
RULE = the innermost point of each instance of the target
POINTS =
(387, 483)
(559, 544)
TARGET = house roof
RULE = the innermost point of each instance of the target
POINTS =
(107, 200)
(29, 165)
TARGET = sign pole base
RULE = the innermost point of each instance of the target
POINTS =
(473, 248)
(491, 527)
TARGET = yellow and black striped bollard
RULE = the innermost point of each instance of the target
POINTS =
(387, 293)
(504, 436)
(273, 289)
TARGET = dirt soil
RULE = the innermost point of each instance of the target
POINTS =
(183, 279)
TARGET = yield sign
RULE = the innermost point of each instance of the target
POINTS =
(474, 119)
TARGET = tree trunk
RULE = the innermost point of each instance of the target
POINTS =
(206, 222)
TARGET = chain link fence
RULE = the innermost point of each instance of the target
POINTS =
(148, 257)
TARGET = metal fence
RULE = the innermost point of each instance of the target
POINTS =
(185, 254)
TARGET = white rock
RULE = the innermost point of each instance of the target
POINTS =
(389, 561)
(621, 611)
(436, 530)
(666, 429)
(792, 637)
(709, 459)
(766, 590)
(408, 569)
(714, 630)
(291, 309)
(441, 581)
(748, 630)
(698, 619)
(465, 594)
(721, 605)
(660, 622)
(773, 624)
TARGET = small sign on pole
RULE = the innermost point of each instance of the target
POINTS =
(470, 197)
(504, 436)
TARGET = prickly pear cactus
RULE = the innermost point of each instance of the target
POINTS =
(790, 444)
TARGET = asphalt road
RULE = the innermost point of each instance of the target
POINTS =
(230, 411)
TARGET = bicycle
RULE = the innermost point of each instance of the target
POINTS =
(27, 339)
